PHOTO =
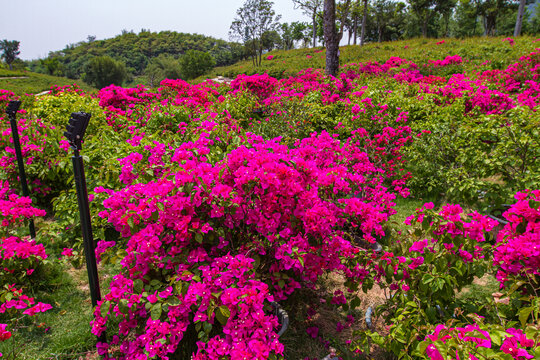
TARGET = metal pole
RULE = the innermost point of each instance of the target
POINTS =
(86, 225)
(12, 109)
(75, 132)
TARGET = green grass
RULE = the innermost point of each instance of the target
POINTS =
(9, 73)
(68, 335)
(34, 83)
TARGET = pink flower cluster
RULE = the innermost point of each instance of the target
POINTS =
(14, 209)
(447, 61)
(284, 205)
(517, 253)
(473, 338)
(260, 85)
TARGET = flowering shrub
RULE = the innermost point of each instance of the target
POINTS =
(19, 258)
(198, 212)
(481, 341)
(215, 199)
(442, 253)
(260, 85)
(517, 253)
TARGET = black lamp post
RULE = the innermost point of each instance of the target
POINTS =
(75, 132)
(11, 111)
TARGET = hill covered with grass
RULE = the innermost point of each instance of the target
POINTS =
(498, 52)
(26, 82)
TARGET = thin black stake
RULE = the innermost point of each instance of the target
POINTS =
(75, 132)
(11, 111)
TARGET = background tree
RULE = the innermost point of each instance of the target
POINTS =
(389, 19)
(490, 11)
(162, 67)
(425, 10)
(271, 40)
(535, 21)
(286, 33)
(252, 20)
(10, 51)
(53, 66)
(311, 8)
(301, 32)
(138, 50)
(364, 21)
(519, 20)
(102, 71)
(195, 63)
(356, 12)
(343, 9)
(331, 40)
(466, 22)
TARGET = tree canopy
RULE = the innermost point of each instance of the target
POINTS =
(10, 51)
(253, 20)
(136, 51)
(102, 71)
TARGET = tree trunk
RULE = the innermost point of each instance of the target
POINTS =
(364, 19)
(10, 66)
(350, 36)
(331, 38)
(314, 28)
(424, 28)
(379, 30)
(491, 21)
(519, 21)
(355, 27)
(344, 17)
(355, 23)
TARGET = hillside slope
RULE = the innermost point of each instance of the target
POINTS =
(27, 82)
(474, 51)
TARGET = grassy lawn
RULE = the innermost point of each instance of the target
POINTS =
(34, 83)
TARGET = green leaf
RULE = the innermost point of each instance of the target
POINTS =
(222, 314)
(173, 300)
(199, 238)
(524, 314)
(104, 310)
(355, 302)
(123, 306)
(155, 313)
(138, 286)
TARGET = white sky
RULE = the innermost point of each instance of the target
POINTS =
(49, 25)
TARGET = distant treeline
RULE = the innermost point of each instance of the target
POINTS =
(136, 51)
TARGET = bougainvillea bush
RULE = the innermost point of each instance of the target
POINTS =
(20, 257)
(211, 201)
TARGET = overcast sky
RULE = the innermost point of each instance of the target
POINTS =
(48, 25)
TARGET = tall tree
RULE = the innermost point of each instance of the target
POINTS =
(295, 31)
(10, 51)
(355, 15)
(466, 19)
(364, 20)
(311, 8)
(253, 19)
(425, 10)
(519, 20)
(342, 13)
(331, 38)
(490, 10)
